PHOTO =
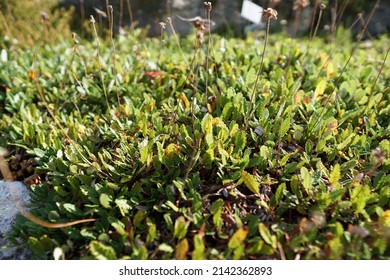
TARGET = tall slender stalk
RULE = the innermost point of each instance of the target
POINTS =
(92, 20)
(268, 13)
(162, 28)
(380, 70)
(313, 18)
(169, 21)
(120, 13)
(130, 15)
(208, 6)
(322, 7)
(111, 17)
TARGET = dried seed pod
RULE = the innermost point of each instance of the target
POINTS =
(270, 13)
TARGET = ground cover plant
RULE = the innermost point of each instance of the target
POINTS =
(287, 162)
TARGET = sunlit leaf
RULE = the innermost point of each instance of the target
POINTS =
(182, 249)
(101, 251)
(237, 238)
(250, 182)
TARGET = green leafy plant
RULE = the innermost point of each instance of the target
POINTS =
(160, 176)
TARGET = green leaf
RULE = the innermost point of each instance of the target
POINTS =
(320, 88)
(208, 158)
(165, 248)
(240, 141)
(207, 124)
(265, 152)
(335, 174)
(118, 225)
(180, 229)
(237, 238)
(123, 206)
(216, 210)
(306, 178)
(227, 111)
(280, 192)
(138, 218)
(199, 247)
(265, 234)
(144, 150)
(343, 144)
(105, 200)
(152, 231)
(285, 126)
(359, 197)
(250, 77)
(101, 251)
(250, 182)
(182, 249)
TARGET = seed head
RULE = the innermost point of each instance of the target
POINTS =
(270, 13)
(299, 4)
(322, 6)
(75, 40)
(91, 19)
(162, 25)
(44, 16)
(207, 6)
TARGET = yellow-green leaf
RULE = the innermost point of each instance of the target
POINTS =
(101, 251)
(180, 229)
(182, 249)
(306, 178)
(238, 237)
(265, 234)
(250, 182)
(198, 253)
(320, 88)
(105, 200)
(335, 174)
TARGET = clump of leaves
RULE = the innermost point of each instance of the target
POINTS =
(165, 177)
(32, 22)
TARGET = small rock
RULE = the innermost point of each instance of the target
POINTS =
(8, 212)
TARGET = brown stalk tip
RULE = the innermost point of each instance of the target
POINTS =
(162, 25)
(207, 5)
(270, 13)
(44, 16)
(299, 4)
(75, 40)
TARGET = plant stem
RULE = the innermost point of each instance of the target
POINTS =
(318, 24)
(120, 13)
(111, 17)
(130, 15)
(252, 104)
(99, 61)
(313, 19)
(207, 55)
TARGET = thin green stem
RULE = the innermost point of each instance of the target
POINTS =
(252, 104)
(113, 51)
(99, 61)
(208, 53)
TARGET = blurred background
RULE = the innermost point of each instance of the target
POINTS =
(21, 18)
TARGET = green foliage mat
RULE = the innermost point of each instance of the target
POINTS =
(128, 136)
